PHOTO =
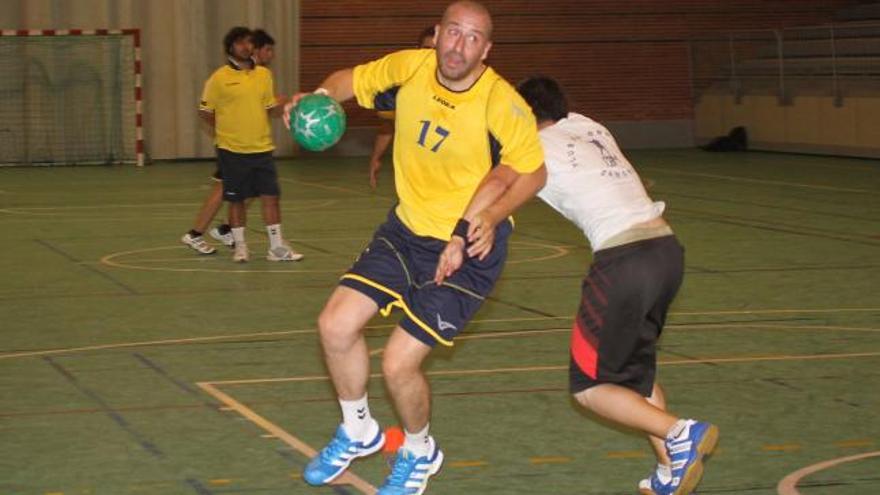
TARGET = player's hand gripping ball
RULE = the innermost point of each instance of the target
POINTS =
(318, 122)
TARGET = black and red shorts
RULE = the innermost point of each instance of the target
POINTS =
(624, 301)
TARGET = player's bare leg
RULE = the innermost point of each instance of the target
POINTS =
(340, 326)
(270, 209)
(238, 220)
(402, 368)
(627, 408)
(194, 238)
(209, 208)
(420, 457)
(658, 400)
(278, 249)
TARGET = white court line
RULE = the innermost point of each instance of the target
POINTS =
(788, 485)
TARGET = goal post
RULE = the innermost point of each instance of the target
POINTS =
(70, 97)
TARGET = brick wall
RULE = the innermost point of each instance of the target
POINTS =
(618, 60)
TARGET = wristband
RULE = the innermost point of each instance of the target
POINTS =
(321, 91)
(461, 229)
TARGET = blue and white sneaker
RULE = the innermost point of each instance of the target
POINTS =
(335, 458)
(409, 475)
(686, 450)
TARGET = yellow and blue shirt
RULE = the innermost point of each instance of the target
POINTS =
(446, 141)
(239, 100)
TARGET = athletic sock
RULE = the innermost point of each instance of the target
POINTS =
(195, 233)
(274, 235)
(224, 228)
(664, 473)
(238, 235)
(677, 429)
(357, 421)
(418, 443)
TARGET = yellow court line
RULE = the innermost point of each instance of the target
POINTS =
(348, 477)
(760, 181)
(212, 338)
(549, 460)
(529, 369)
(467, 464)
(785, 447)
(788, 485)
(335, 188)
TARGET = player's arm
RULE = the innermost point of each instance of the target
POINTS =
(338, 85)
(207, 116)
(500, 193)
(383, 139)
(206, 104)
(368, 80)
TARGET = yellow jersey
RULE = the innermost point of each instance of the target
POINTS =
(239, 100)
(446, 141)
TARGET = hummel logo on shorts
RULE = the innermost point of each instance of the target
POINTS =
(444, 325)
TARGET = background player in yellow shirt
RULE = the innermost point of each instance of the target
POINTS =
(463, 137)
(262, 54)
(237, 100)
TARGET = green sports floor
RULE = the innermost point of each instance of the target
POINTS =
(131, 365)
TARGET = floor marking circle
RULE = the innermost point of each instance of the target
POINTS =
(788, 485)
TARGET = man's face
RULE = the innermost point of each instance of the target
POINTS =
(243, 48)
(462, 43)
(264, 54)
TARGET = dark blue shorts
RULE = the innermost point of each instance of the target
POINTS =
(247, 175)
(397, 270)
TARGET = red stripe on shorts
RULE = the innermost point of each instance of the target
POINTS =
(583, 350)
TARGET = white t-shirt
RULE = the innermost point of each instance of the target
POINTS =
(590, 182)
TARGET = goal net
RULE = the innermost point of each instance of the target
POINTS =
(70, 97)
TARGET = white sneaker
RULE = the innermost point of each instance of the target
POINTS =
(241, 253)
(226, 238)
(198, 244)
(283, 253)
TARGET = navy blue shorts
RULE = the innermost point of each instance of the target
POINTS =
(247, 175)
(397, 270)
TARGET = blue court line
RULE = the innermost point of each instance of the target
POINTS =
(114, 415)
(90, 268)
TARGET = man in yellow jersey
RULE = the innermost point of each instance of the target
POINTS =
(237, 101)
(463, 137)
(386, 129)
(263, 53)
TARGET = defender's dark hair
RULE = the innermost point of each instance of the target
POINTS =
(261, 38)
(545, 96)
(428, 32)
(235, 34)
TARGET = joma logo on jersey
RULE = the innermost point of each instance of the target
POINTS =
(444, 102)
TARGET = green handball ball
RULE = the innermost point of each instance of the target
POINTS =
(318, 122)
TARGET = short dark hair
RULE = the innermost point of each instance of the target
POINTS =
(428, 32)
(261, 38)
(545, 96)
(235, 34)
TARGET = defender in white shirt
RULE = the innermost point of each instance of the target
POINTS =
(637, 269)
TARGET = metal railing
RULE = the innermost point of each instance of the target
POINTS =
(836, 60)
